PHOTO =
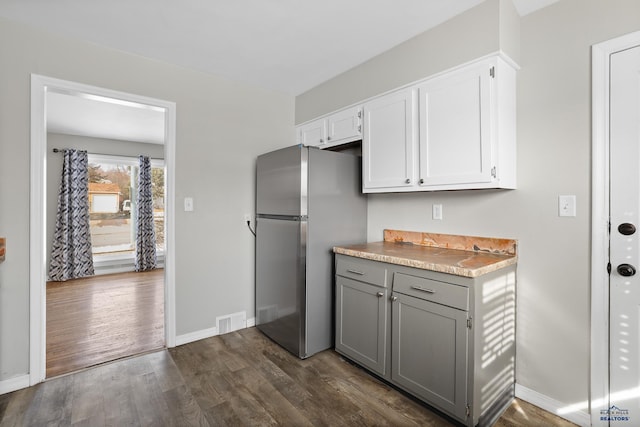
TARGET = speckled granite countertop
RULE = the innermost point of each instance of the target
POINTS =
(466, 256)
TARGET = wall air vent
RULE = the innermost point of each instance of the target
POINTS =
(231, 322)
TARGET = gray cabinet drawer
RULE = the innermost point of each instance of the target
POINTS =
(363, 270)
(431, 290)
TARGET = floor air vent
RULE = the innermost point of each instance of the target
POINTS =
(231, 322)
(224, 324)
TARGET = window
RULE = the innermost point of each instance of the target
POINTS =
(112, 201)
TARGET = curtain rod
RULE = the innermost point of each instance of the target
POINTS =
(60, 150)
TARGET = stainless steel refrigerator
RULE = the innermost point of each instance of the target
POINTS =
(308, 200)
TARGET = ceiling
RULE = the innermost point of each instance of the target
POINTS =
(99, 117)
(287, 46)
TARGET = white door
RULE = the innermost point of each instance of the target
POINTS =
(624, 348)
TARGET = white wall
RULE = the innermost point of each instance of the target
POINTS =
(470, 35)
(554, 140)
(221, 127)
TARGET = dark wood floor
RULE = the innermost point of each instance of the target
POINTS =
(237, 379)
(103, 318)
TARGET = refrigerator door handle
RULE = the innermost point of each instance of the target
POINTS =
(283, 217)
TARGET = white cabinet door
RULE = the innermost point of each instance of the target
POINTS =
(313, 133)
(345, 126)
(455, 127)
(389, 141)
(335, 129)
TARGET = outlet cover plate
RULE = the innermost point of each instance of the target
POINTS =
(436, 211)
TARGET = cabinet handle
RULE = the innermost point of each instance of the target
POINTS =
(421, 181)
(420, 288)
(407, 181)
(321, 140)
(359, 273)
(359, 128)
(328, 138)
(393, 298)
(380, 294)
(359, 114)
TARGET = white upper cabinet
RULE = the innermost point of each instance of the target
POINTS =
(338, 128)
(389, 140)
(455, 128)
(345, 126)
(313, 133)
(466, 133)
(452, 131)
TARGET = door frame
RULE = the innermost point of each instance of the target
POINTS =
(37, 239)
(600, 213)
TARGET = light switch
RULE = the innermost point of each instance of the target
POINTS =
(188, 204)
(567, 205)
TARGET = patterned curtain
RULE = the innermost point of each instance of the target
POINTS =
(71, 255)
(145, 231)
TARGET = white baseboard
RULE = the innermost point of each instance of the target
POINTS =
(551, 405)
(205, 333)
(13, 384)
(196, 336)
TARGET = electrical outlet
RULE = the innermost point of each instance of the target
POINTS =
(188, 204)
(436, 211)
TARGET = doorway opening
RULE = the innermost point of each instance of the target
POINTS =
(44, 124)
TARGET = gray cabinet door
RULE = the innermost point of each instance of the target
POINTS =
(429, 352)
(361, 323)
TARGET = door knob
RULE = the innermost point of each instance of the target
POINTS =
(626, 270)
(627, 229)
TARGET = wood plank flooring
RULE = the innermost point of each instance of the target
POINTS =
(102, 318)
(238, 379)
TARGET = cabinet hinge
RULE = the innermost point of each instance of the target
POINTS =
(493, 172)
(469, 323)
(492, 72)
(468, 410)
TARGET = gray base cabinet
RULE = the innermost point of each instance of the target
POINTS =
(448, 340)
(362, 313)
(429, 352)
